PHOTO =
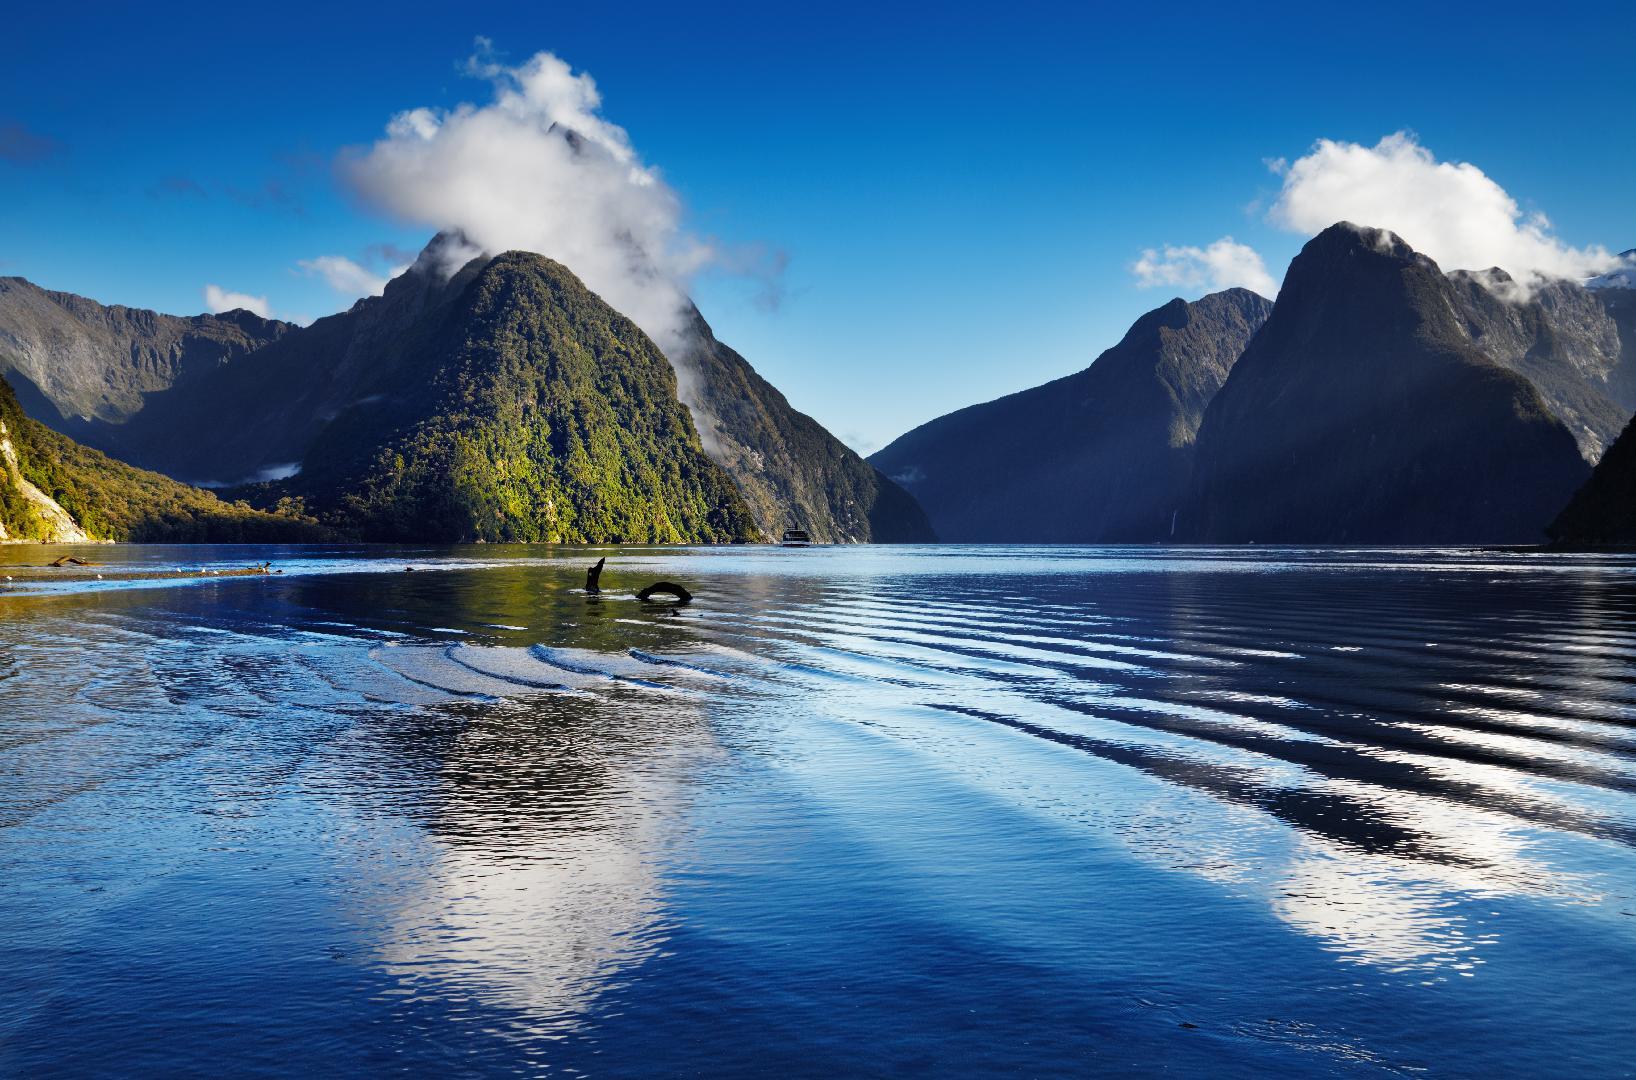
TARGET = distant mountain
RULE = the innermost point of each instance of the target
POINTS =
(54, 490)
(1623, 277)
(1363, 412)
(1564, 339)
(1603, 512)
(1100, 456)
(794, 473)
(86, 369)
(1620, 304)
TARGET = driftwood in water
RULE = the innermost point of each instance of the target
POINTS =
(665, 588)
(594, 575)
(69, 560)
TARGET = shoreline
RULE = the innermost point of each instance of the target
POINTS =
(24, 575)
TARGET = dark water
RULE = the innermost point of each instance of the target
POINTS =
(855, 812)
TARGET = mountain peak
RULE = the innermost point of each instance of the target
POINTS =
(1346, 236)
(445, 255)
(1363, 412)
(1622, 276)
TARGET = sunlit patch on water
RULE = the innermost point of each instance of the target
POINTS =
(1289, 798)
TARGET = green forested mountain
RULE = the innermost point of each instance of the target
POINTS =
(517, 406)
(53, 489)
(469, 406)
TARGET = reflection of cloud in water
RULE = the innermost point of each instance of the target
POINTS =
(1399, 910)
(1370, 913)
(541, 931)
(1379, 874)
(546, 820)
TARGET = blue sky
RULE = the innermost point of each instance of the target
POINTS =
(960, 192)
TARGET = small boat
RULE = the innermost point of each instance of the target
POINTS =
(796, 538)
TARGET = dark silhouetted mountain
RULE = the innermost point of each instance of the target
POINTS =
(1603, 512)
(793, 473)
(52, 489)
(1100, 456)
(1363, 412)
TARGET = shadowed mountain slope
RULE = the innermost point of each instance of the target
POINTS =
(1603, 512)
(86, 369)
(1100, 456)
(1363, 413)
(1563, 338)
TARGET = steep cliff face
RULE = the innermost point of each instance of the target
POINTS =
(1563, 339)
(793, 473)
(1100, 456)
(26, 512)
(1363, 413)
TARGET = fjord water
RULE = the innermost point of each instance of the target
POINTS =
(853, 812)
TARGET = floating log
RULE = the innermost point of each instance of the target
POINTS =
(665, 588)
(69, 560)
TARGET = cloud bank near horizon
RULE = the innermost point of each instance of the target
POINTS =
(1451, 211)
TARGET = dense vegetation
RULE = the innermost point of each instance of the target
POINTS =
(110, 500)
(524, 409)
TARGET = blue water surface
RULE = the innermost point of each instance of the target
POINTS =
(930, 811)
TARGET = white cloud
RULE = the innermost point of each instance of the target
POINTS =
(1451, 211)
(538, 169)
(1223, 265)
(218, 299)
(347, 277)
